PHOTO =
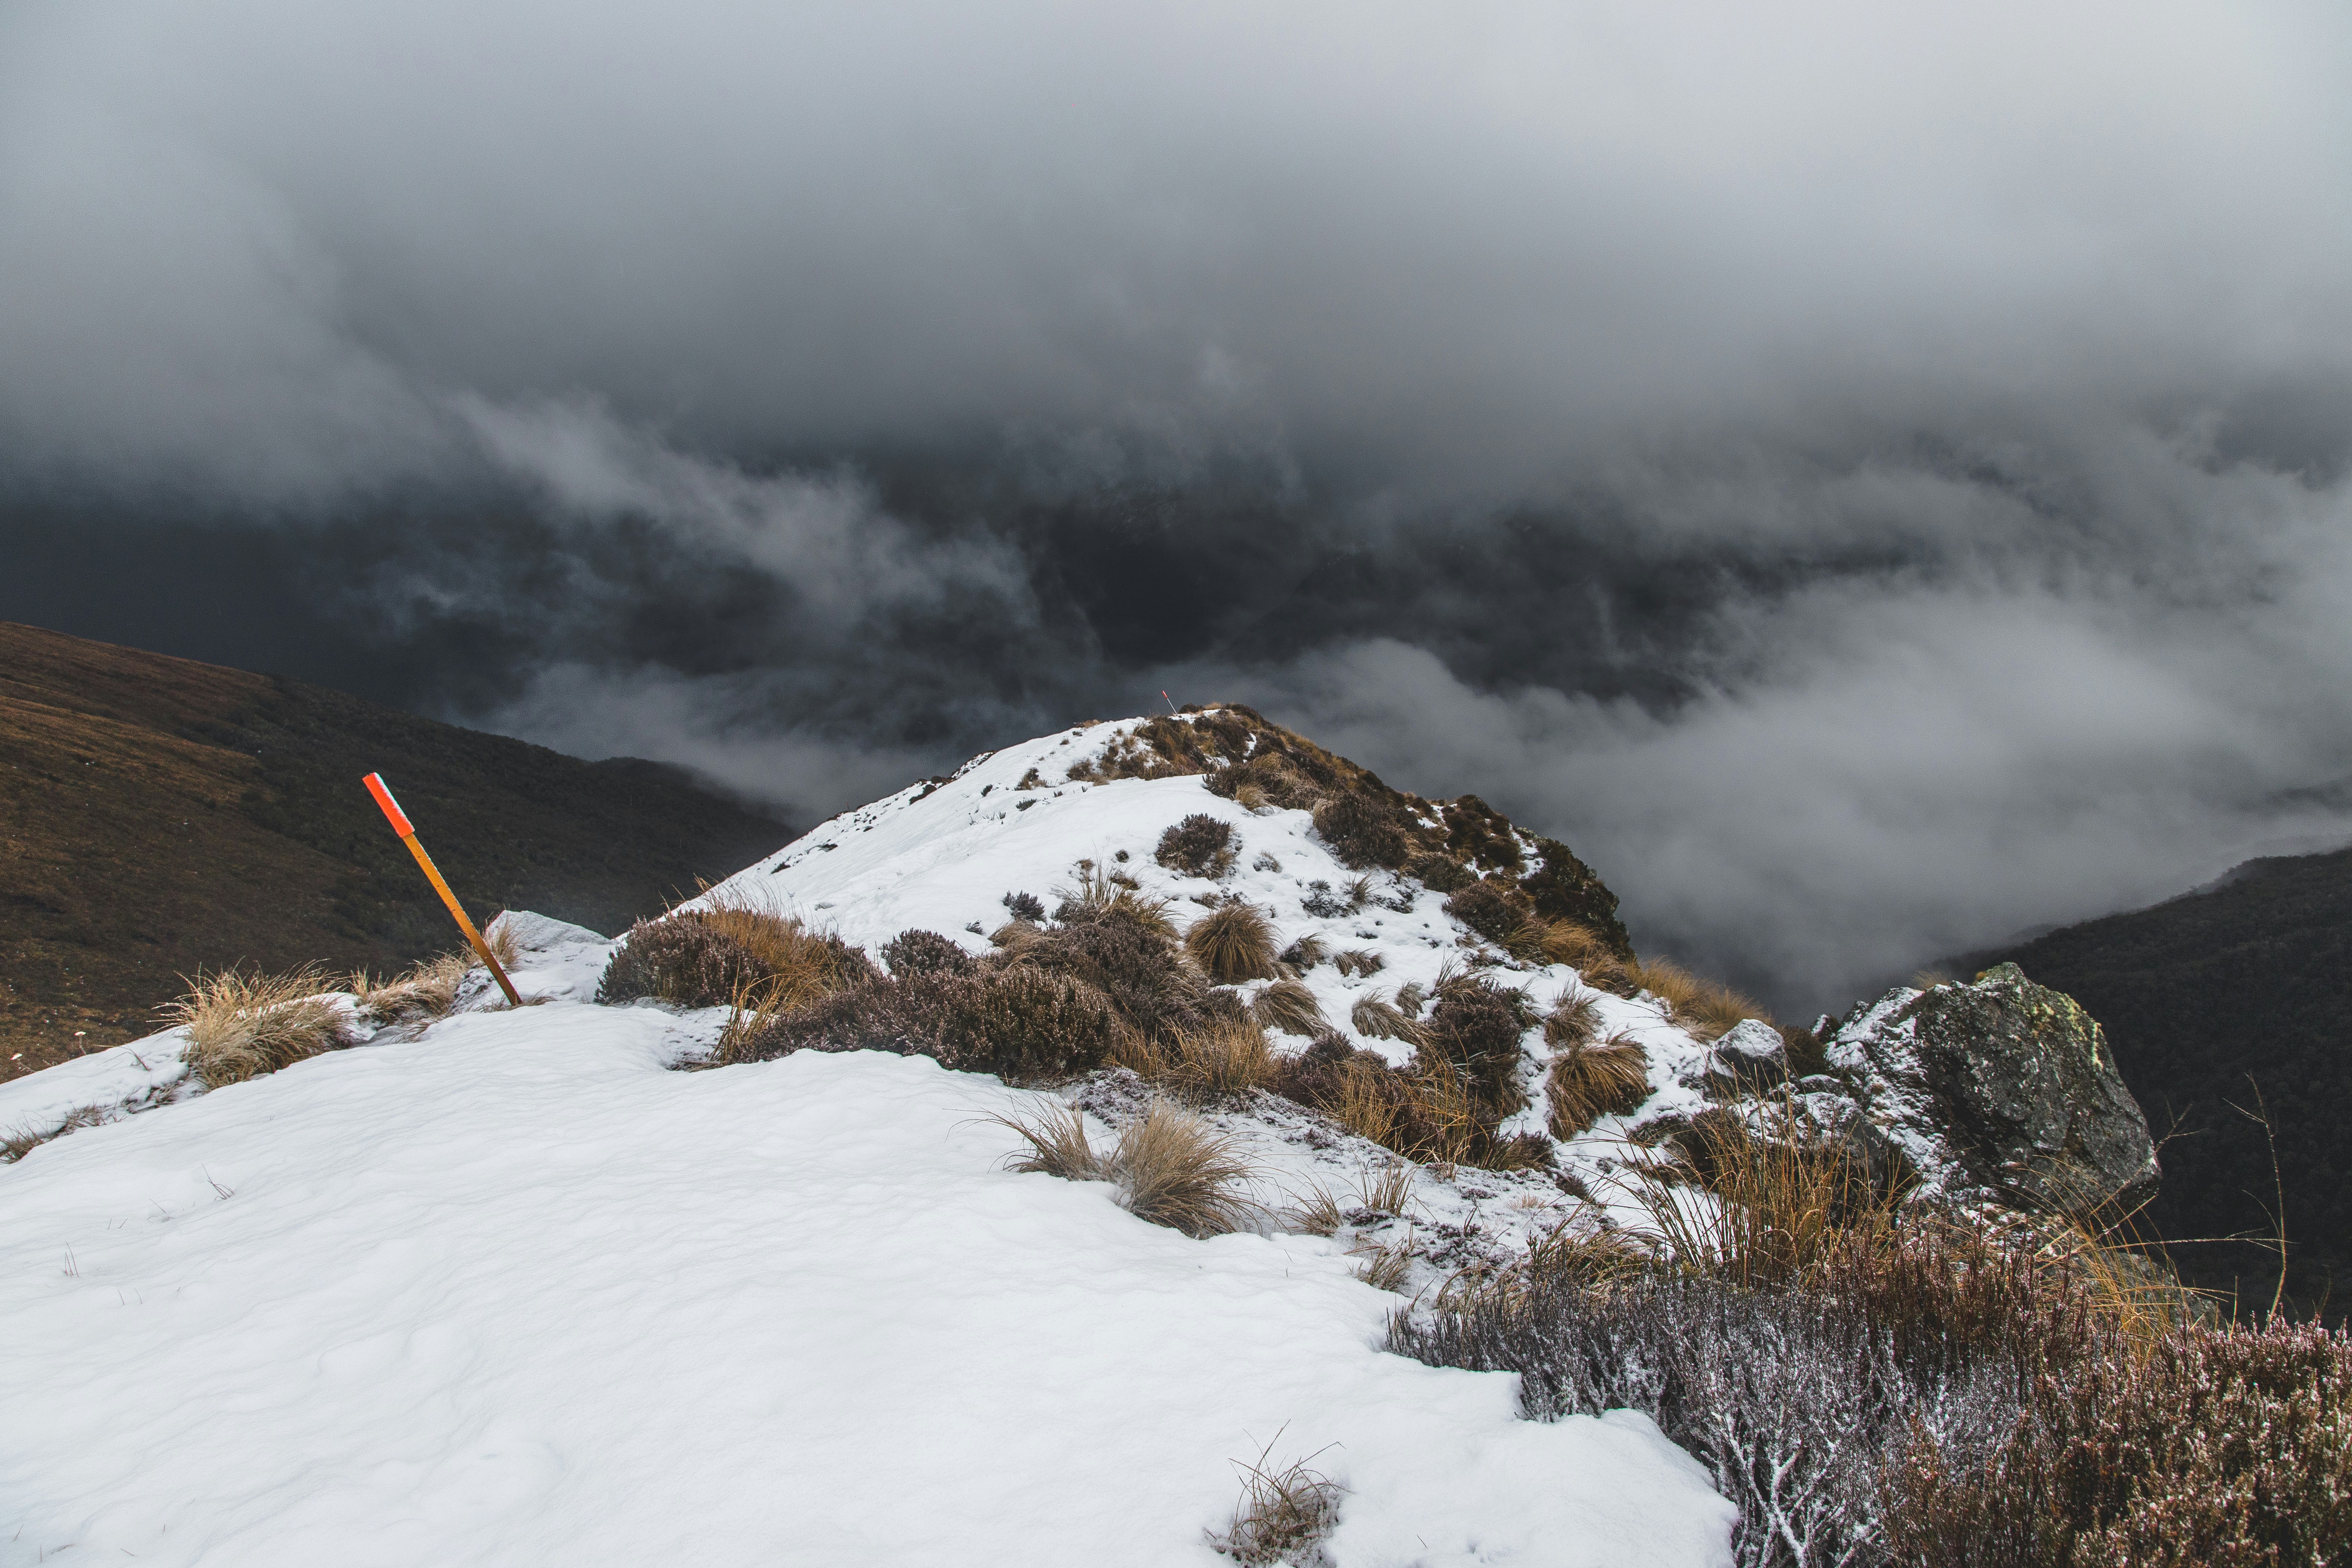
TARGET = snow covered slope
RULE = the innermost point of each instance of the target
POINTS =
(512, 1289)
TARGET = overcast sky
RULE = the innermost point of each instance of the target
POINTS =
(1873, 481)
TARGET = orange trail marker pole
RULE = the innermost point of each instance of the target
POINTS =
(400, 825)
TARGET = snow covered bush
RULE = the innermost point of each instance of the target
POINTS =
(1473, 1032)
(1285, 1512)
(1200, 846)
(1362, 830)
(2222, 1446)
(242, 1025)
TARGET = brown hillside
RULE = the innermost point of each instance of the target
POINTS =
(158, 814)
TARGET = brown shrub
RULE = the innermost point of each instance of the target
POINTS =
(1289, 1007)
(1023, 1024)
(1494, 910)
(1441, 873)
(912, 953)
(1200, 846)
(2220, 1447)
(1590, 1080)
(710, 957)
(1129, 959)
(1234, 943)
(241, 1026)
(1473, 1032)
(1362, 831)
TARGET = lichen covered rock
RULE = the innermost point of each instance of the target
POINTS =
(2000, 1090)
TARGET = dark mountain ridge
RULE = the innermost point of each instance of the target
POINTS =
(158, 814)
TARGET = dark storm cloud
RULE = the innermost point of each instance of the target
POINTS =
(1873, 480)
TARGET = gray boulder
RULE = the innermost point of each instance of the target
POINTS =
(2002, 1090)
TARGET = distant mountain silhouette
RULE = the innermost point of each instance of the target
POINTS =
(157, 814)
(2243, 986)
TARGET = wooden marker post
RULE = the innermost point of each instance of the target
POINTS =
(407, 831)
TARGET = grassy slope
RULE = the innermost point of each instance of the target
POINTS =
(157, 814)
(2200, 993)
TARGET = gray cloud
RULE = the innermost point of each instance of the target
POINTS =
(1876, 480)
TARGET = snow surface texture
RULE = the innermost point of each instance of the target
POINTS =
(512, 1289)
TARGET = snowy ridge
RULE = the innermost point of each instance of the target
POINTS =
(508, 1289)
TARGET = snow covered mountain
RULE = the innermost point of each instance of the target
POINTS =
(507, 1286)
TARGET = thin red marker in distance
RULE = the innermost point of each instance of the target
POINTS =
(407, 831)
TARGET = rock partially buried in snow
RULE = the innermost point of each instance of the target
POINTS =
(2003, 1089)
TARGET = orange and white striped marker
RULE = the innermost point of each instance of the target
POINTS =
(407, 831)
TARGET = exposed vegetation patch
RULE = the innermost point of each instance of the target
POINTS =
(1592, 1079)
(716, 957)
(912, 953)
(1285, 1512)
(1289, 1007)
(1234, 943)
(1017, 1021)
(243, 1024)
(1171, 1168)
(1200, 846)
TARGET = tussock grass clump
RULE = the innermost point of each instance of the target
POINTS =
(1304, 954)
(1170, 1167)
(1099, 896)
(426, 989)
(1221, 1058)
(1380, 1020)
(1573, 1020)
(1283, 1513)
(1592, 1078)
(1359, 960)
(1234, 943)
(1200, 846)
(1289, 1007)
(243, 1024)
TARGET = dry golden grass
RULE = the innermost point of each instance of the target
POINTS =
(1099, 895)
(1573, 1020)
(1175, 1171)
(1364, 1105)
(428, 989)
(1579, 947)
(1592, 1078)
(1304, 954)
(1360, 961)
(1283, 1512)
(1705, 1009)
(1760, 1209)
(1385, 1267)
(1289, 1007)
(1224, 1056)
(1386, 1189)
(504, 945)
(241, 1026)
(1380, 1020)
(1170, 1167)
(17, 1145)
(1057, 1146)
(801, 965)
(1525, 941)
(1234, 943)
